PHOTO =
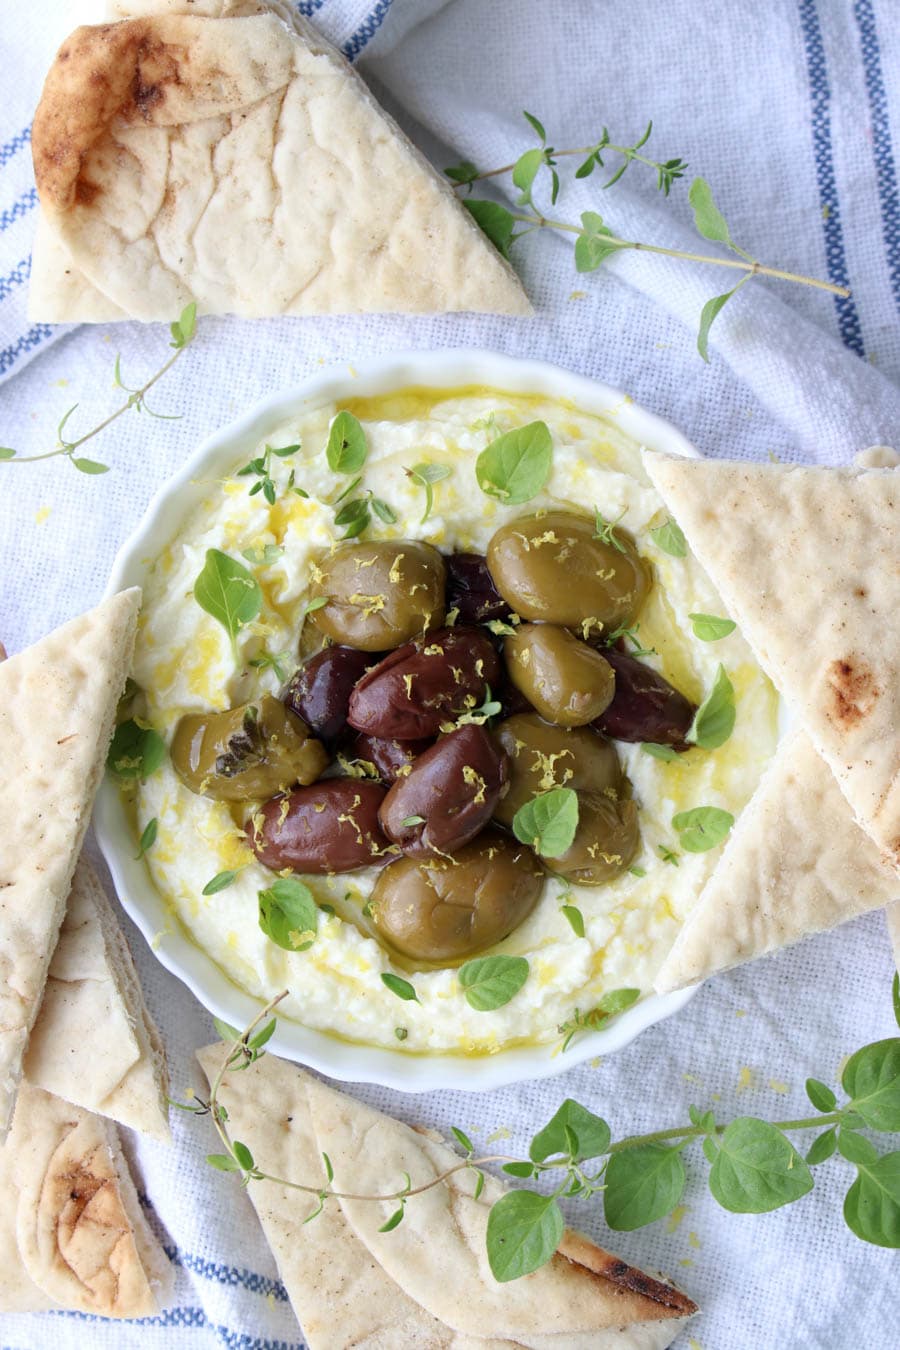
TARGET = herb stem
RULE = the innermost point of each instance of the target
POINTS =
(625, 150)
(697, 1131)
(751, 267)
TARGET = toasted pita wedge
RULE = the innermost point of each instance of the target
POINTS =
(795, 864)
(808, 562)
(72, 1234)
(94, 1042)
(57, 705)
(432, 1287)
(240, 162)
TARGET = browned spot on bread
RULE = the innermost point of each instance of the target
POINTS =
(662, 1300)
(854, 691)
(861, 592)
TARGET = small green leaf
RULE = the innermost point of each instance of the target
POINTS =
(288, 914)
(515, 467)
(663, 752)
(402, 988)
(605, 530)
(425, 475)
(617, 1000)
(821, 1096)
(462, 1139)
(243, 1155)
(220, 882)
(592, 247)
(489, 982)
(822, 1148)
(708, 314)
(90, 466)
(872, 1205)
(283, 451)
(227, 591)
(642, 1185)
(136, 751)
(587, 166)
(346, 448)
(184, 327)
(261, 1038)
(525, 170)
(329, 1170)
(6, 452)
(479, 1184)
(590, 1131)
(707, 217)
(463, 173)
(895, 997)
(263, 557)
(409, 821)
(670, 538)
(709, 628)
(395, 1219)
(702, 828)
(222, 1162)
(148, 838)
(225, 1030)
(575, 918)
(757, 1168)
(523, 1231)
(714, 720)
(520, 1169)
(871, 1078)
(494, 221)
(312, 605)
(548, 822)
(856, 1148)
(535, 124)
(383, 511)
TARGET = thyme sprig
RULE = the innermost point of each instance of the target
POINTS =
(595, 242)
(754, 1167)
(183, 331)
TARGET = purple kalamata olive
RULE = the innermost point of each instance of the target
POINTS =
(320, 690)
(424, 684)
(471, 590)
(448, 796)
(446, 909)
(331, 826)
(392, 759)
(644, 707)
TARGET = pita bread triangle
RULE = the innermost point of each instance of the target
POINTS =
(807, 561)
(94, 1042)
(57, 707)
(794, 864)
(227, 154)
(432, 1287)
(72, 1234)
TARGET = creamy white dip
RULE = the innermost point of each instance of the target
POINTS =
(185, 662)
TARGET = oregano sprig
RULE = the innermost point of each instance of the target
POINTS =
(753, 1166)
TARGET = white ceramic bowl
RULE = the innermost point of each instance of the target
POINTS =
(165, 516)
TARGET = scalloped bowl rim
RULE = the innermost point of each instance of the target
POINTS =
(165, 515)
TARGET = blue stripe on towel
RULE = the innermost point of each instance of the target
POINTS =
(194, 1319)
(366, 30)
(27, 202)
(882, 146)
(21, 272)
(14, 146)
(836, 258)
(230, 1275)
(26, 343)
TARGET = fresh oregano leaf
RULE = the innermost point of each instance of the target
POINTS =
(136, 751)
(288, 914)
(225, 1030)
(383, 511)
(515, 467)
(184, 327)
(263, 1037)
(523, 1231)
(872, 1204)
(425, 476)
(522, 1170)
(821, 1096)
(871, 1078)
(670, 538)
(592, 247)
(535, 125)
(227, 591)
(663, 752)
(642, 1185)
(591, 1134)
(462, 1139)
(395, 1219)
(494, 221)
(757, 1168)
(223, 1162)
(856, 1148)
(489, 982)
(464, 173)
(397, 985)
(617, 1000)
(243, 1155)
(6, 452)
(148, 838)
(822, 1148)
(714, 720)
(263, 557)
(702, 828)
(709, 313)
(707, 217)
(90, 466)
(548, 822)
(346, 448)
(575, 919)
(220, 882)
(710, 628)
(525, 170)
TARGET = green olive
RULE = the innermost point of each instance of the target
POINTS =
(445, 909)
(247, 753)
(379, 595)
(551, 567)
(605, 842)
(542, 756)
(566, 680)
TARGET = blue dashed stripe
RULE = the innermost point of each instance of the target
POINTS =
(308, 7)
(835, 255)
(26, 343)
(233, 1276)
(195, 1319)
(367, 30)
(27, 202)
(885, 168)
(21, 272)
(14, 146)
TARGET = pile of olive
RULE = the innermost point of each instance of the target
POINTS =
(381, 751)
